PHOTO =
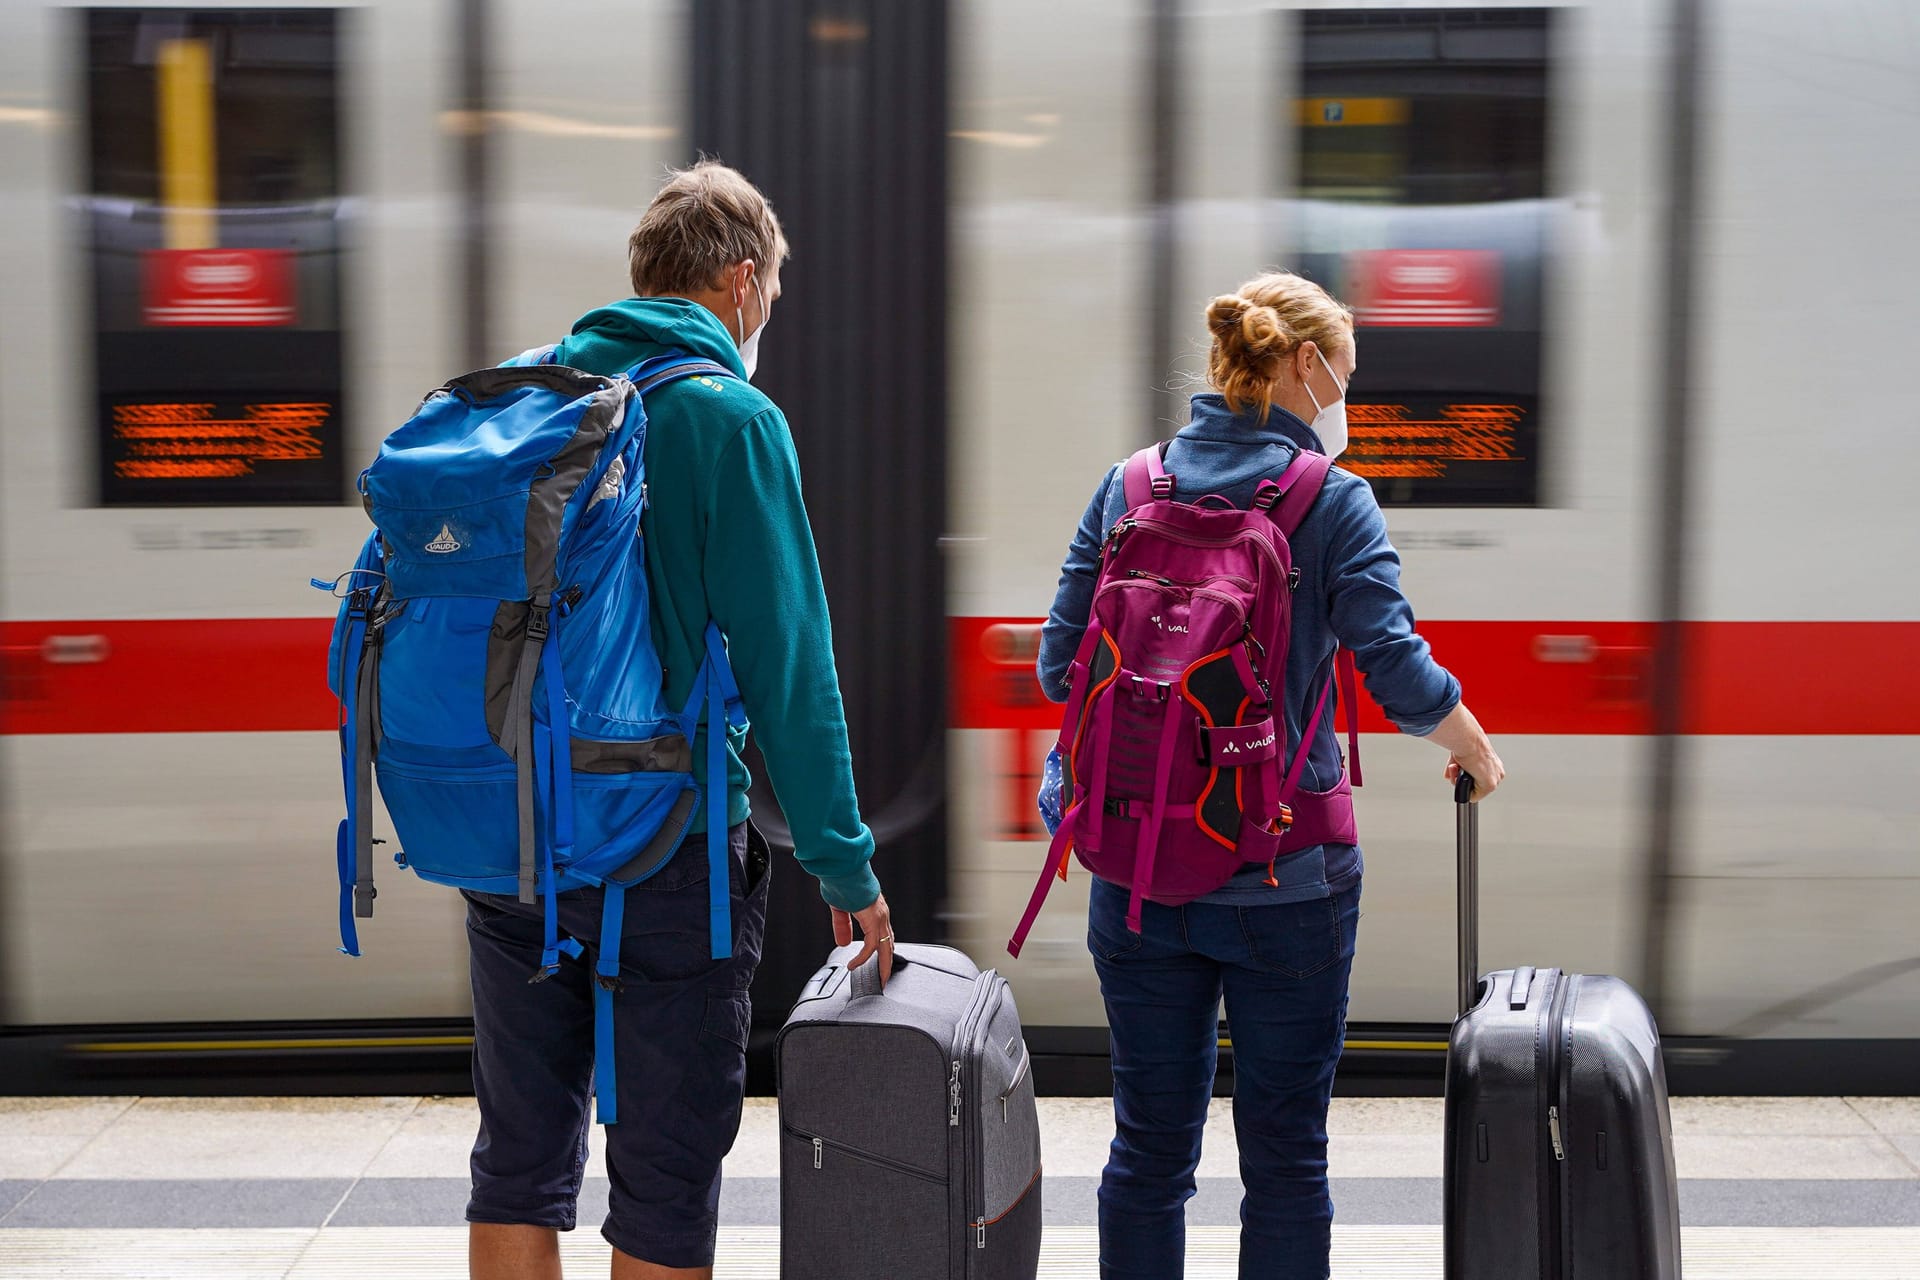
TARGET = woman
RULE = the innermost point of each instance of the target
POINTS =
(1277, 943)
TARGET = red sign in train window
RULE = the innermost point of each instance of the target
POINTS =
(219, 287)
(1455, 288)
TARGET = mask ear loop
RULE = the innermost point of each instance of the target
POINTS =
(740, 307)
(1306, 385)
(1331, 374)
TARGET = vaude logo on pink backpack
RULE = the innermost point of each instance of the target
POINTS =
(1172, 745)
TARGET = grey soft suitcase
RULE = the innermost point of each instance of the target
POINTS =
(1559, 1146)
(909, 1142)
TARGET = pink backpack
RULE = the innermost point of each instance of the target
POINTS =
(1171, 741)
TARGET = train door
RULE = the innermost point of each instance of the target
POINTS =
(1477, 181)
(1793, 881)
(1480, 181)
(228, 262)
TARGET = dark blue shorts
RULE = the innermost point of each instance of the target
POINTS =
(680, 1041)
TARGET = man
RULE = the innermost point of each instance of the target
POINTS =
(727, 539)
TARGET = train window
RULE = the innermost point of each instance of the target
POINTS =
(212, 221)
(1423, 202)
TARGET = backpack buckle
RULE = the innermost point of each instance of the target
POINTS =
(1162, 488)
(1284, 819)
(537, 628)
(1160, 689)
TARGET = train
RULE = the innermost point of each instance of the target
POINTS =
(1634, 284)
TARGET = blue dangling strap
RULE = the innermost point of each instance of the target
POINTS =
(559, 721)
(724, 710)
(553, 764)
(549, 919)
(349, 936)
(345, 844)
(606, 981)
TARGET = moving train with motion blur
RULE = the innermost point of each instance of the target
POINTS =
(1635, 284)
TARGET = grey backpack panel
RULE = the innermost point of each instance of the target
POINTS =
(910, 1145)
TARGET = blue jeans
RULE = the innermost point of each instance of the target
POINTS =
(1283, 970)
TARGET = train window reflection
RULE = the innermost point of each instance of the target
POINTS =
(1423, 202)
(212, 220)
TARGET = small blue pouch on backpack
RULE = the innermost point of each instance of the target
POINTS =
(1052, 789)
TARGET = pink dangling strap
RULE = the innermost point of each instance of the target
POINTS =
(1350, 706)
(1148, 849)
(1056, 856)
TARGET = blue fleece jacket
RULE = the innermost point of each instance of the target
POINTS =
(1349, 594)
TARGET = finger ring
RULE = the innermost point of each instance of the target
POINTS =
(888, 937)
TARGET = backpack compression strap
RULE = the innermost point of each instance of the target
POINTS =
(358, 683)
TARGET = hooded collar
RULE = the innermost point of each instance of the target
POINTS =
(624, 333)
(1213, 421)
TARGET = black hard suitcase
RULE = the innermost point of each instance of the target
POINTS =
(909, 1140)
(1559, 1146)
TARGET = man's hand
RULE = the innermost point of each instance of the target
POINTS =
(876, 927)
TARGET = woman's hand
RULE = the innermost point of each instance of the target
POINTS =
(1469, 748)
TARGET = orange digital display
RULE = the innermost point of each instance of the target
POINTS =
(213, 451)
(1389, 440)
(217, 314)
(1430, 451)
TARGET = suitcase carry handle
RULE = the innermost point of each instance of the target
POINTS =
(866, 978)
(1466, 832)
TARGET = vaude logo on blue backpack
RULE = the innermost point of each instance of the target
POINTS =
(501, 680)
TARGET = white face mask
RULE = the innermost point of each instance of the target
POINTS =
(1330, 423)
(750, 344)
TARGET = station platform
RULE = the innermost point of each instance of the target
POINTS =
(277, 1188)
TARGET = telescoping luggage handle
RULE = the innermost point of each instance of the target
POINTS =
(1467, 850)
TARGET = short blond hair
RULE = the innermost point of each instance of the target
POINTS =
(1259, 326)
(705, 219)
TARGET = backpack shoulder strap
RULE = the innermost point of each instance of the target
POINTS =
(1146, 477)
(661, 370)
(1299, 485)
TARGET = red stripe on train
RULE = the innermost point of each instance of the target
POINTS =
(1569, 677)
(173, 676)
(265, 674)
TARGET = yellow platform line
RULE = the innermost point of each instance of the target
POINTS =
(243, 1046)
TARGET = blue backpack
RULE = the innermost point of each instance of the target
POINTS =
(494, 661)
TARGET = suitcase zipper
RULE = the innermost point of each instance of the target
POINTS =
(973, 1144)
(1018, 1076)
(1550, 1237)
(822, 1145)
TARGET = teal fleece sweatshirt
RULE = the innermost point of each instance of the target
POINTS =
(727, 538)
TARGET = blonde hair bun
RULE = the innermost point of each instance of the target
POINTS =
(1257, 328)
